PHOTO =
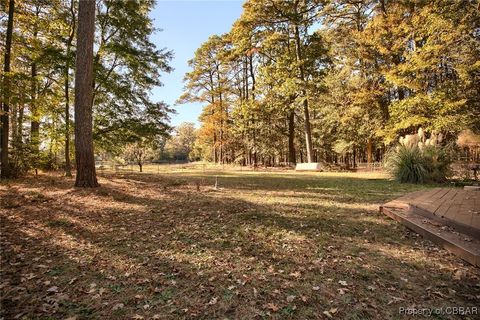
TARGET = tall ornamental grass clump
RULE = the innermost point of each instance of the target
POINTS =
(419, 160)
(407, 164)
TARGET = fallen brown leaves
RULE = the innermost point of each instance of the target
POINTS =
(165, 247)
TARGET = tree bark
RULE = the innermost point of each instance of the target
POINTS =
(252, 94)
(84, 156)
(220, 101)
(5, 173)
(68, 166)
(292, 158)
(13, 125)
(34, 124)
(354, 157)
(35, 118)
(308, 132)
(369, 151)
(21, 113)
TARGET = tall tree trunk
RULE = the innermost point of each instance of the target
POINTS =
(252, 76)
(221, 141)
(369, 151)
(215, 156)
(354, 157)
(35, 118)
(14, 127)
(68, 166)
(308, 132)
(220, 101)
(84, 156)
(35, 123)
(6, 97)
(212, 102)
(292, 158)
(21, 113)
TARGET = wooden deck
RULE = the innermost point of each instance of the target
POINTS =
(448, 216)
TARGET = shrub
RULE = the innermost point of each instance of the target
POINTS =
(420, 160)
(46, 161)
(407, 164)
(437, 162)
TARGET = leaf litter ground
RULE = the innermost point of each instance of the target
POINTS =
(262, 245)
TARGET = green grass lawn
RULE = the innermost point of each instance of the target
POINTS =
(166, 245)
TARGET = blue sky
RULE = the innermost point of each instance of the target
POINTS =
(186, 25)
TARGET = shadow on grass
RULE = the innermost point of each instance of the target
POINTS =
(154, 241)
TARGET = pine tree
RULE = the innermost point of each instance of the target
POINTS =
(84, 156)
(5, 167)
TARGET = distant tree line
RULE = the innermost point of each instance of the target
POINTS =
(180, 145)
(336, 81)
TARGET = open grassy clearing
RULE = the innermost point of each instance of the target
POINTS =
(265, 245)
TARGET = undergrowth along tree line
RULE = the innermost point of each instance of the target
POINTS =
(335, 81)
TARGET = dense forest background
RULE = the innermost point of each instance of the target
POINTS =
(293, 81)
(298, 81)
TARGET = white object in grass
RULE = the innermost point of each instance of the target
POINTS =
(312, 166)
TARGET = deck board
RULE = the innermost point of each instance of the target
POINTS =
(457, 208)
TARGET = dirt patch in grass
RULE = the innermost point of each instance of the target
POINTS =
(263, 245)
